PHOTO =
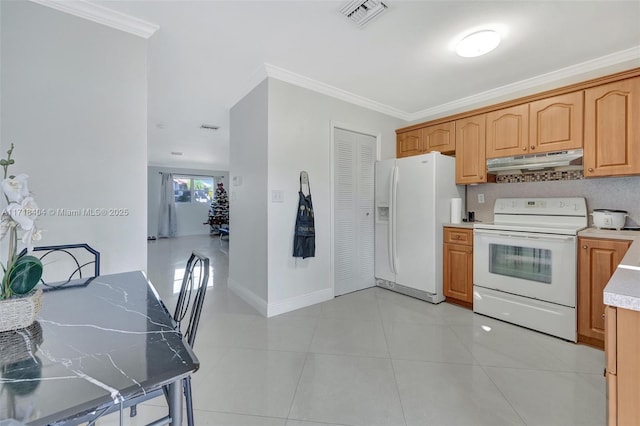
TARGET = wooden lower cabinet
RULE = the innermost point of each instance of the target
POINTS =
(623, 366)
(597, 261)
(458, 266)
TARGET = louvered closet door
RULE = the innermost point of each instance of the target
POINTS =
(354, 162)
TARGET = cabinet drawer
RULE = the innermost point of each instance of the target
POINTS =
(458, 236)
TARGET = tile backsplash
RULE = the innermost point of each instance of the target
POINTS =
(620, 193)
(540, 176)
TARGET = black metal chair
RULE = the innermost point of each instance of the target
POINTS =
(187, 317)
(63, 263)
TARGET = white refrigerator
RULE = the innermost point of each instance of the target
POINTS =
(413, 199)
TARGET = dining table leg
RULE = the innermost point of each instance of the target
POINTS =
(175, 402)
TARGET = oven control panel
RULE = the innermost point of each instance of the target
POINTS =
(541, 206)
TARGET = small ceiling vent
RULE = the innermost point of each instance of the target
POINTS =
(209, 127)
(363, 11)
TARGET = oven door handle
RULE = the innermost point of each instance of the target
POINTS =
(525, 235)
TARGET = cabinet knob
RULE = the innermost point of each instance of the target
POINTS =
(524, 148)
(481, 177)
(585, 247)
(533, 147)
(590, 169)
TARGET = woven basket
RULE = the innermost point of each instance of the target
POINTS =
(20, 344)
(20, 312)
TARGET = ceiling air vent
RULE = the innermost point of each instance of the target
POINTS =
(209, 127)
(362, 11)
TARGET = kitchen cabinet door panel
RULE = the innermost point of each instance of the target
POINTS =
(628, 367)
(440, 137)
(597, 261)
(556, 123)
(471, 159)
(458, 266)
(508, 131)
(409, 143)
(612, 129)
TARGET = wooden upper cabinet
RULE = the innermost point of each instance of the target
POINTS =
(612, 129)
(555, 124)
(471, 160)
(409, 143)
(508, 131)
(440, 137)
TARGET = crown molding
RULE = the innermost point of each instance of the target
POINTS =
(102, 15)
(616, 58)
(570, 72)
(271, 71)
(253, 81)
(326, 89)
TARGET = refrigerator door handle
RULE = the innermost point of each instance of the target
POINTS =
(393, 221)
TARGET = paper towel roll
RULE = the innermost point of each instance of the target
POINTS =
(456, 210)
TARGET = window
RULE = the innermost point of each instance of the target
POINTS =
(193, 189)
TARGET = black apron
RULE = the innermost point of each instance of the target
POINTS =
(304, 239)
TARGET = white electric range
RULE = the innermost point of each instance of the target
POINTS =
(525, 263)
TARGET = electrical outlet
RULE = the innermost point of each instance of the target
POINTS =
(481, 198)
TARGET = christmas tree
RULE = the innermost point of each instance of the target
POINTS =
(219, 210)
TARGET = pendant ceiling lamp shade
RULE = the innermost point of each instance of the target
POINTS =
(478, 43)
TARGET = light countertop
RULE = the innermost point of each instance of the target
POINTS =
(623, 289)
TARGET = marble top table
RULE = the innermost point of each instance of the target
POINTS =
(97, 343)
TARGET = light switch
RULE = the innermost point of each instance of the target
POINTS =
(277, 196)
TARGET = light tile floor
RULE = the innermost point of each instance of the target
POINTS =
(370, 358)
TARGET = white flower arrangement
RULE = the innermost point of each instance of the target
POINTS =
(21, 273)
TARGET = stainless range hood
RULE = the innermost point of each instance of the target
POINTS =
(559, 160)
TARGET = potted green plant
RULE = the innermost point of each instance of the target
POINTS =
(19, 302)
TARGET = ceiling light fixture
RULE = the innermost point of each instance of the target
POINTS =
(209, 127)
(478, 43)
(363, 11)
(176, 153)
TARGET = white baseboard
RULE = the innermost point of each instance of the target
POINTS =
(248, 296)
(277, 308)
(298, 302)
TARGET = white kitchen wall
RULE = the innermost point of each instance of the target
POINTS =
(300, 139)
(277, 130)
(74, 102)
(621, 193)
(190, 215)
(248, 198)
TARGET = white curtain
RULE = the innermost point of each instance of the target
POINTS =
(167, 221)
